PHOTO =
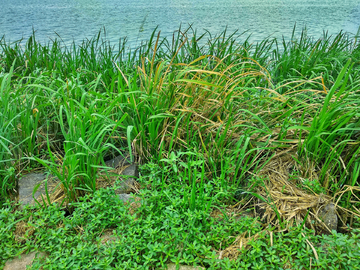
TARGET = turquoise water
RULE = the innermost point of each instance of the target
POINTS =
(79, 19)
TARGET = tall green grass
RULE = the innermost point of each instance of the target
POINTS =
(233, 103)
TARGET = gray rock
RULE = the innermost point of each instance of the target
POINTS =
(107, 237)
(132, 200)
(172, 266)
(132, 170)
(124, 186)
(328, 215)
(127, 183)
(26, 186)
(24, 261)
(124, 197)
(118, 161)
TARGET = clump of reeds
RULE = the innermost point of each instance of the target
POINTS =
(67, 108)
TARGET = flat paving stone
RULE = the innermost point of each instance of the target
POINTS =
(24, 261)
(125, 197)
(27, 184)
(172, 266)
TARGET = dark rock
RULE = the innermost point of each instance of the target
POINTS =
(131, 170)
(118, 162)
(127, 183)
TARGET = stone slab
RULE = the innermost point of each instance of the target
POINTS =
(125, 197)
(27, 184)
(24, 261)
(172, 266)
(328, 215)
(118, 161)
(126, 184)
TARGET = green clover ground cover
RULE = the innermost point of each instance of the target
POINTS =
(162, 230)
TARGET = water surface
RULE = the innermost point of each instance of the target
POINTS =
(80, 19)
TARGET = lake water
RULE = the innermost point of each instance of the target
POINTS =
(80, 19)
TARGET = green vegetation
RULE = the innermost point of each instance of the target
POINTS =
(213, 121)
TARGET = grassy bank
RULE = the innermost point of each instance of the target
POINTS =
(221, 126)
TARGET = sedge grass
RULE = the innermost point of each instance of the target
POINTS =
(235, 104)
